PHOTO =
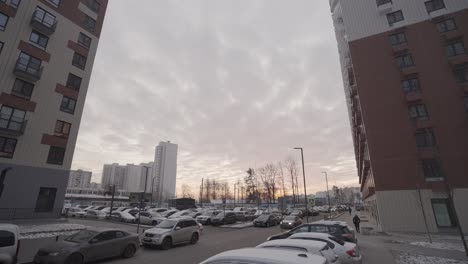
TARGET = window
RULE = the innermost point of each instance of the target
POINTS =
(119, 234)
(93, 5)
(318, 229)
(62, 129)
(79, 61)
(443, 213)
(84, 40)
(461, 73)
(7, 239)
(11, 118)
(68, 105)
(22, 89)
(44, 17)
(12, 3)
(39, 39)
(431, 169)
(398, 38)
(46, 199)
(395, 17)
(425, 138)
(56, 155)
(466, 104)
(55, 3)
(383, 2)
(404, 61)
(434, 5)
(29, 64)
(410, 85)
(7, 147)
(454, 49)
(446, 25)
(3, 21)
(105, 236)
(74, 82)
(89, 23)
(301, 229)
(418, 112)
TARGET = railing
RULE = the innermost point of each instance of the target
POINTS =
(12, 128)
(28, 213)
(27, 67)
(43, 22)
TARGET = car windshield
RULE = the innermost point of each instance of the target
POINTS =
(290, 218)
(263, 217)
(167, 224)
(82, 236)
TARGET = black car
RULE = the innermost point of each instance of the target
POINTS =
(290, 221)
(224, 219)
(266, 220)
(335, 228)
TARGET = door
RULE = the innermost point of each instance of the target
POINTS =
(101, 246)
(178, 233)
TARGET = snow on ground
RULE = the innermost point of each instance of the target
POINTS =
(48, 230)
(437, 245)
(406, 258)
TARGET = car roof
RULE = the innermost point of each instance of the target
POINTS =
(311, 235)
(270, 256)
(313, 246)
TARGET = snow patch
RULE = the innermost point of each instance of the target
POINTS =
(406, 258)
(49, 230)
(437, 245)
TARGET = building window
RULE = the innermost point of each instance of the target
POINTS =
(56, 155)
(44, 17)
(55, 3)
(39, 39)
(425, 138)
(418, 112)
(22, 89)
(12, 3)
(7, 147)
(434, 5)
(68, 105)
(461, 73)
(398, 38)
(29, 64)
(446, 25)
(3, 21)
(404, 61)
(74, 82)
(410, 85)
(89, 23)
(93, 5)
(443, 212)
(11, 118)
(455, 48)
(383, 2)
(84, 40)
(62, 129)
(46, 199)
(79, 61)
(395, 17)
(432, 169)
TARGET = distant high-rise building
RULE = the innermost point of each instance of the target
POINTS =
(114, 174)
(47, 51)
(79, 179)
(405, 71)
(136, 176)
(165, 171)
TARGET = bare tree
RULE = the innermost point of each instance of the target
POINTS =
(281, 175)
(269, 178)
(292, 171)
(225, 191)
(186, 191)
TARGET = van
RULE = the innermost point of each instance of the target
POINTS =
(9, 243)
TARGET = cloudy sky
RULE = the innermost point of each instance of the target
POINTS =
(236, 84)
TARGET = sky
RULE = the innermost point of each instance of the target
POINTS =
(235, 83)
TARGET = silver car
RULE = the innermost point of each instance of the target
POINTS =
(89, 245)
(171, 232)
(149, 218)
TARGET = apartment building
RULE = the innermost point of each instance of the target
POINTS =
(129, 178)
(114, 174)
(47, 51)
(79, 179)
(165, 171)
(405, 72)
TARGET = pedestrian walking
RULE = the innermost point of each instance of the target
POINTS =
(357, 221)
(349, 209)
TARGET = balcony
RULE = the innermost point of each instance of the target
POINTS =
(43, 23)
(456, 60)
(413, 96)
(384, 6)
(12, 128)
(27, 70)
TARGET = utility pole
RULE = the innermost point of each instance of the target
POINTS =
(234, 195)
(305, 192)
(201, 193)
(141, 200)
(112, 201)
(328, 194)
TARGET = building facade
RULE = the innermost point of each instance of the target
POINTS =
(165, 172)
(79, 179)
(405, 73)
(114, 174)
(130, 178)
(47, 51)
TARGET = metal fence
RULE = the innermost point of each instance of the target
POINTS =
(27, 213)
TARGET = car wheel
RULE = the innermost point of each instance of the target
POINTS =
(167, 243)
(129, 251)
(194, 239)
(154, 223)
(75, 258)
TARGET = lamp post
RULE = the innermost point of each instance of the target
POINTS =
(328, 195)
(141, 200)
(152, 192)
(305, 192)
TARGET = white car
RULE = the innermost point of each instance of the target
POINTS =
(180, 214)
(157, 210)
(149, 218)
(75, 212)
(265, 256)
(95, 214)
(9, 243)
(122, 217)
(312, 247)
(348, 253)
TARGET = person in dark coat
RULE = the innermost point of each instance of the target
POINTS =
(349, 209)
(357, 222)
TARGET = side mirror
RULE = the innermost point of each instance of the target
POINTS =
(177, 228)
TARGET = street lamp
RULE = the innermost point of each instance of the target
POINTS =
(328, 195)
(141, 199)
(305, 192)
(152, 192)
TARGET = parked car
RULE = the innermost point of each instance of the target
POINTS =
(171, 232)
(106, 210)
(335, 228)
(168, 213)
(150, 218)
(157, 210)
(82, 206)
(121, 209)
(298, 213)
(122, 217)
(90, 245)
(205, 218)
(194, 215)
(348, 253)
(132, 211)
(313, 247)
(224, 219)
(266, 220)
(9, 245)
(240, 216)
(262, 255)
(75, 212)
(180, 214)
(239, 209)
(95, 214)
(290, 221)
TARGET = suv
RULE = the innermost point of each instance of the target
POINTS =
(337, 229)
(9, 243)
(223, 219)
(171, 232)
